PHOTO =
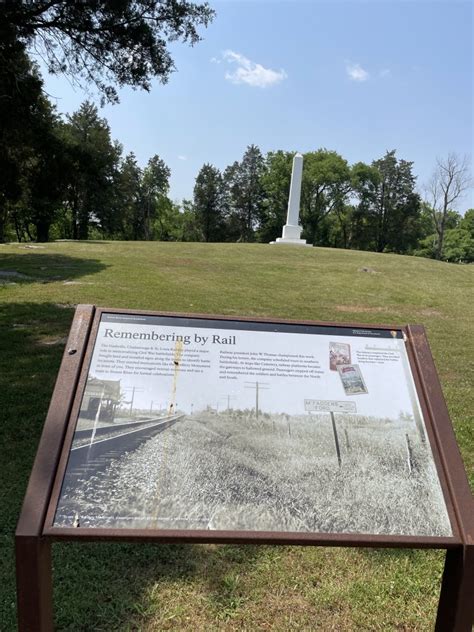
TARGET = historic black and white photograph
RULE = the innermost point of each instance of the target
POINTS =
(230, 429)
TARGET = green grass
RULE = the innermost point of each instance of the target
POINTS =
(176, 587)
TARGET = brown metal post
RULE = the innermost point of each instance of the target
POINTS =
(456, 602)
(34, 584)
(33, 552)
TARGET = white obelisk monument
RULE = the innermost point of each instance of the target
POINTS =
(291, 230)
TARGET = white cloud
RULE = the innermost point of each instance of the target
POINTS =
(181, 157)
(356, 72)
(251, 73)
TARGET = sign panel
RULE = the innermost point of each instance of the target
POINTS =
(329, 405)
(200, 424)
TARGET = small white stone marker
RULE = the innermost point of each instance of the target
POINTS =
(291, 230)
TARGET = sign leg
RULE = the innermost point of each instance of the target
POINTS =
(34, 584)
(456, 603)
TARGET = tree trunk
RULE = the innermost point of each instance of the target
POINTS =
(83, 230)
(441, 229)
(42, 230)
(3, 221)
(83, 223)
(439, 245)
(74, 218)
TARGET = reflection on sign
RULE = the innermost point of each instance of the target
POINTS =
(329, 405)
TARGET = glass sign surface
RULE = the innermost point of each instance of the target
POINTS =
(229, 425)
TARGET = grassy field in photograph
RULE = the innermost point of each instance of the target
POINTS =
(175, 587)
(230, 471)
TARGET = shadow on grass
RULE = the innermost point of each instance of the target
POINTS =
(100, 586)
(39, 267)
(28, 369)
(115, 586)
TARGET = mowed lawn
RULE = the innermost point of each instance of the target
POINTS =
(207, 587)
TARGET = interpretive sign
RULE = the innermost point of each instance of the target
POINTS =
(198, 428)
(170, 436)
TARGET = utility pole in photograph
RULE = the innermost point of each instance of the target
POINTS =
(134, 389)
(258, 386)
(229, 397)
(336, 438)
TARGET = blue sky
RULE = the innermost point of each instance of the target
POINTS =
(360, 77)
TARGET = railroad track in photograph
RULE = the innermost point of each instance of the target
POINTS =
(93, 452)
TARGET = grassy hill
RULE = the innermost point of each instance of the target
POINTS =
(156, 587)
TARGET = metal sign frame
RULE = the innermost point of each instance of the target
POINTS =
(35, 531)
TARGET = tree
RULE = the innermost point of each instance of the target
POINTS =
(142, 198)
(325, 186)
(276, 180)
(450, 180)
(458, 246)
(365, 183)
(46, 174)
(168, 225)
(467, 222)
(20, 109)
(208, 203)
(391, 206)
(104, 43)
(94, 160)
(154, 201)
(337, 226)
(190, 229)
(128, 198)
(458, 242)
(244, 194)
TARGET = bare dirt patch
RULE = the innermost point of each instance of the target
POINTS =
(369, 270)
(430, 312)
(360, 309)
(51, 341)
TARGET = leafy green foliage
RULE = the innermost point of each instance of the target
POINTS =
(106, 43)
(93, 167)
(244, 194)
(208, 203)
(458, 239)
(21, 109)
(276, 183)
(66, 173)
(450, 180)
(393, 207)
(325, 187)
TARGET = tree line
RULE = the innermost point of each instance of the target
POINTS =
(66, 178)
(72, 181)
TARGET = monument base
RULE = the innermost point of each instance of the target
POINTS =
(292, 242)
(291, 235)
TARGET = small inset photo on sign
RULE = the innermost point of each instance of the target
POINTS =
(352, 379)
(339, 354)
